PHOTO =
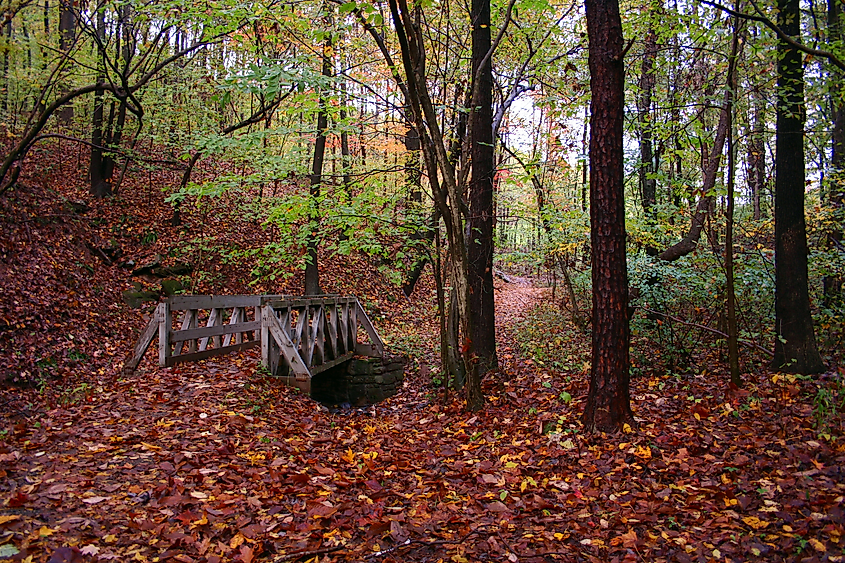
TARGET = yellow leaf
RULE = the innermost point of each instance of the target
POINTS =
(46, 532)
(755, 522)
(697, 416)
(349, 456)
(626, 428)
(8, 517)
(152, 447)
(111, 538)
(643, 453)
(237, 540)
(819, 546)
(559, 536)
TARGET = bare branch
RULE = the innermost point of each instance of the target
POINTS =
(831, 57)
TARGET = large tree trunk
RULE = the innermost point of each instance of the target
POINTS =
(312, 271)
(795, 342)
(608, 406)
(481, 220)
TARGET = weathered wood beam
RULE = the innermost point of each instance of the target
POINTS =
(144, 342)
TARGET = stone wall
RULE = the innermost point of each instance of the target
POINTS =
(360, 382)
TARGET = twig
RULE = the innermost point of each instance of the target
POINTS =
(410, 542)
(708, 329)
(309, 553)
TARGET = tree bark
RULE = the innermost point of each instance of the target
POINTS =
(648, 184)
(99, 186)
(757, 155)
(733, 344)
(608, 406)
(67, 35)
(835, 193)
(312, 271)
(481, 214)
(795, 342)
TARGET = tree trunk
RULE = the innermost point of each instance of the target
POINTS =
(99, 185)
(795, 342)
(481, 219)
(835, 195)
(733, 345)
(706, 201)
(757, 155)
(648, 183)
(608, 406)
(67, 34)
(312, 271)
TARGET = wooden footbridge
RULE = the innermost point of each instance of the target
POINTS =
(299, 336)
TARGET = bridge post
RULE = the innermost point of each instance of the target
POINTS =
(164, 328)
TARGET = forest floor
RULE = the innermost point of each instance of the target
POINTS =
(214, 461)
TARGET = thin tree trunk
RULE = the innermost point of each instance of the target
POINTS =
(795, 341)
(481, 219)
(67, 35)
(707, 200)
(608, 406)
(835, 193)
(757, 155)
(312, 271)
(648, 183)
(99, 186)
(733, 345)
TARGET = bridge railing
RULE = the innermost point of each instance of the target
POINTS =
(299, 336)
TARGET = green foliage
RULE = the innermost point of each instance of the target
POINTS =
(545, 337)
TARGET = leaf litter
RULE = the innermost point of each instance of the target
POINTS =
(214, 461)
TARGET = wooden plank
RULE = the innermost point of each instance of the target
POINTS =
(144, 342)
(301, 319)
(288, 349)
(353, 325)
(164, 324)
(189, 321)
(265, 341)
(173, 360)
(378, 345)
(205, 332)
(214, 318)
(343, 325)
(257, 316)
(331, 322)
(237, 313)
(332, 363)
(185, 302)
(317, 353)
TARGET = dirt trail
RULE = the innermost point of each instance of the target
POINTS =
(514, 299)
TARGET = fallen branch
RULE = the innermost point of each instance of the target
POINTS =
(706, 328)
(309, 553)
